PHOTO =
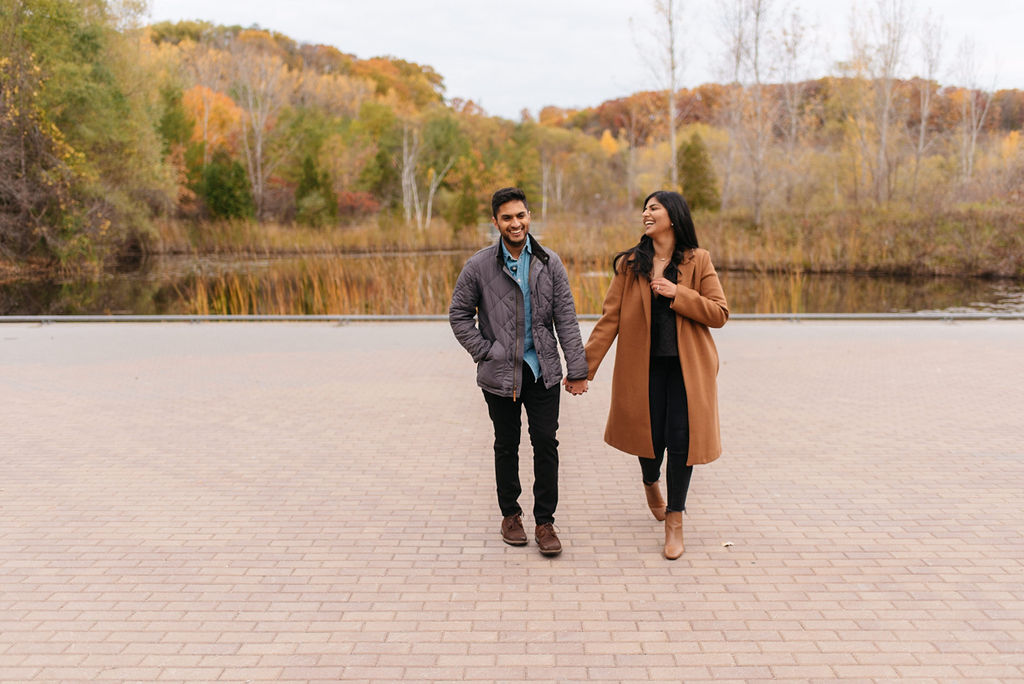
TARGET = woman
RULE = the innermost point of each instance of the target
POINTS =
(663, 298)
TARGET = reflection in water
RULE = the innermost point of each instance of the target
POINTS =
(842, 293)
(422, 284)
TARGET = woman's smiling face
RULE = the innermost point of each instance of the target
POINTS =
(655, 218)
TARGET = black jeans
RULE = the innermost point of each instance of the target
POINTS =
(670, 429)
(542, 418)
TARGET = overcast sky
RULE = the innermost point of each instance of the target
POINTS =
(578, 53)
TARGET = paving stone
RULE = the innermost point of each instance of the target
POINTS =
(314, 502)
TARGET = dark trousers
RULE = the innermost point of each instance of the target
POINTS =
(670, 430)
(542, 418)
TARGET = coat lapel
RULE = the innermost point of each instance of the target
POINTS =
(684, 274)
(645, 296)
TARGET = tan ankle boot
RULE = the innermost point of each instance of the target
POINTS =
(673, 535)
(654, 500)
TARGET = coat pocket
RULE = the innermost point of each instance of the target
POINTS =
(490, 369)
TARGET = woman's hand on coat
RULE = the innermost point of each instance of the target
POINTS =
(663, 287)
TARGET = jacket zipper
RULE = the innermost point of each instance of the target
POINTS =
(517, 367)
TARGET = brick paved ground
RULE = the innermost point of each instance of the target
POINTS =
(312, 502)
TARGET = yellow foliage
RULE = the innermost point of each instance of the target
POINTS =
(344, 160)
(336, 93)
(1010, 147)
(609, 144)
(260, 40)
(552, 116)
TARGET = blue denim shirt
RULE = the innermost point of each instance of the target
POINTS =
(520, 269)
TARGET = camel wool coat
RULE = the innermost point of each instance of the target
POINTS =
(699, 304)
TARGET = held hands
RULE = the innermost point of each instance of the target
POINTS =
(663, 287)
(575, 387)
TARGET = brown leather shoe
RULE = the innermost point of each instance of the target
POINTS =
(547, 540)
(654, 500)
(512, 531)
(673, 535)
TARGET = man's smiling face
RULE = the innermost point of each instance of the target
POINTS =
(513, 222)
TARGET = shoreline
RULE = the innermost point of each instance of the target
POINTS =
(12, 271)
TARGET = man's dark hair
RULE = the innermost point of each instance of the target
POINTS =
(507, 195)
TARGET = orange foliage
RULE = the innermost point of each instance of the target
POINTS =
(326, 59)
(1009, 105)
(467, 107)
(638, 116)
(552, 116)
(216, 115)
(408, 81)
(271, 43)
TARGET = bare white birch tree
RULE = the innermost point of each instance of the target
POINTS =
(434, 180)
(931, 38)
(733, 27)
(262, 85)
(429, 151)
(794, 74)
(555, 149)
(878, 55)
(665, 60)
(752, 108)
(974, 108)
(407, 168)
(632, 130)
(210, 69)
(762, 113)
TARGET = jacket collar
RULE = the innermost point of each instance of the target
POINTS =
(536, 251)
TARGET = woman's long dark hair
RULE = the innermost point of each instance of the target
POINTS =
(642, 253)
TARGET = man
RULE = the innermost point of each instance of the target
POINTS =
(519, 295)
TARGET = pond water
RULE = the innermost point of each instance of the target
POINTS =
(421, 283)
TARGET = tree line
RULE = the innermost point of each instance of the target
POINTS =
(107, 125)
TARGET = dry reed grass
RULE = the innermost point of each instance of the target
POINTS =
(968, 241)
(247, 237)
(372, 285)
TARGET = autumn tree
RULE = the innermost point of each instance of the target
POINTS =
(700, 188)
(636, 118)
(879, 51)
(752, 105)
(35, 175)
(80, 126)
(343, 156)
(316, 204)
(794, 77)
(413, 84)
(974, 107)
(1010, 107)
(733, 31)
(930, 42)
(262, 85)
(430, 148)
(215, 114)
(555, 148)
(378, 130)
(225, 188)
(407, 165)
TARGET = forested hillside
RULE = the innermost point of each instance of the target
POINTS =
(108, 127)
